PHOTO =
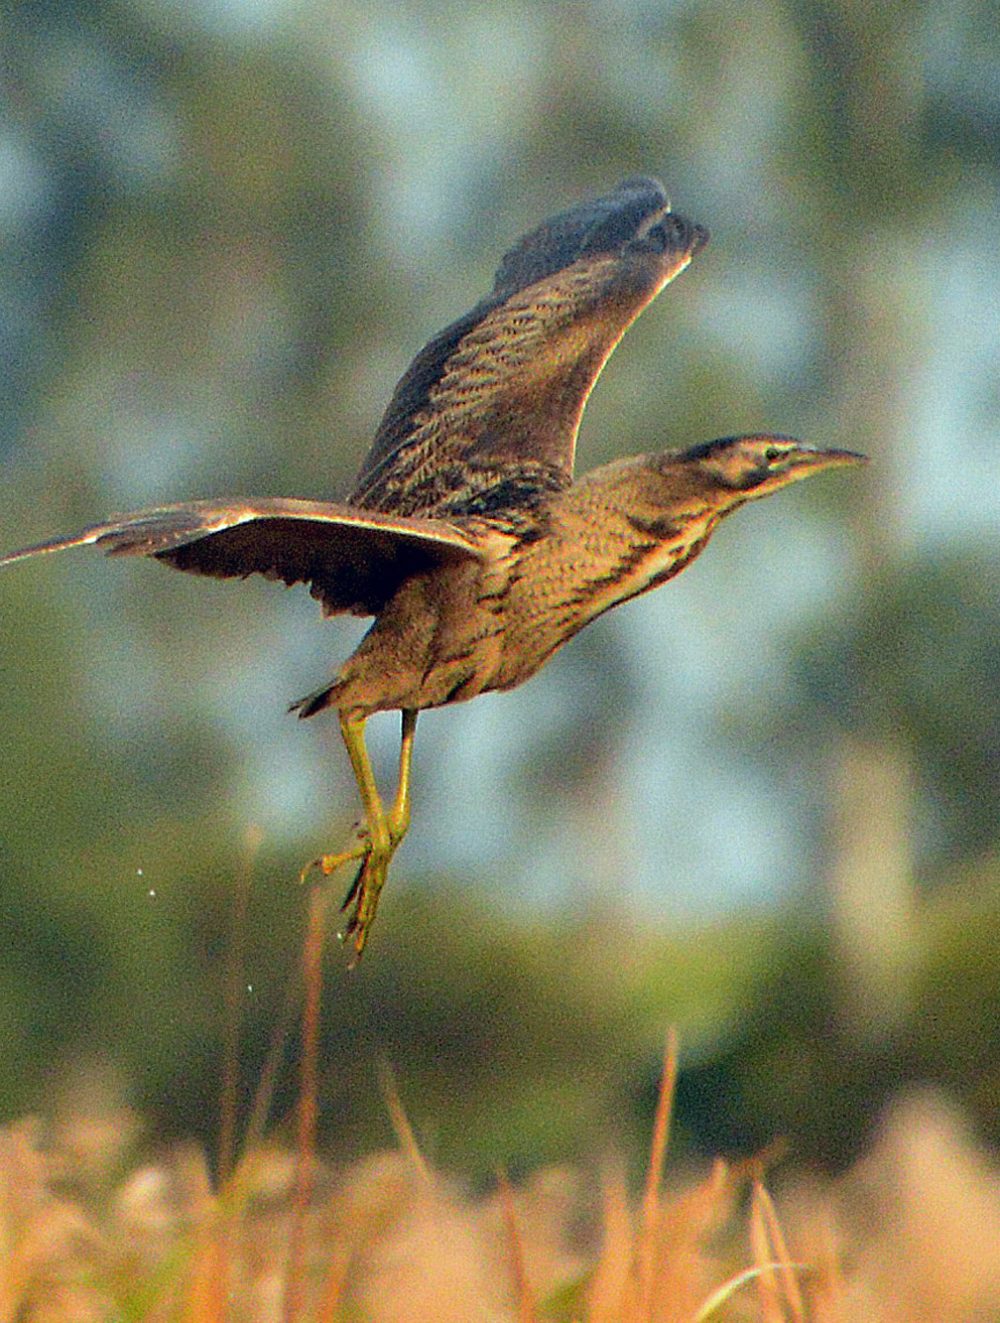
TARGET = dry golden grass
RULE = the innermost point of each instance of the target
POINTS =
(912, 1233)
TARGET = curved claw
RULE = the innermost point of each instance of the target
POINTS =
(362, 900)
(353, 889)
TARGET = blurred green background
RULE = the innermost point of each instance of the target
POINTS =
(761, 805)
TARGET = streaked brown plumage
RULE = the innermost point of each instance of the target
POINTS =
(465, 535)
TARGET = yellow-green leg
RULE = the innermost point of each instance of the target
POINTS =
(399, 814)
(379, 835)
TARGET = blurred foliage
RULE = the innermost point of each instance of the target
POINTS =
(943, 704)
(390, 1236)
(223, 231)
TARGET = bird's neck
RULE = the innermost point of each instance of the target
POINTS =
(621, 531)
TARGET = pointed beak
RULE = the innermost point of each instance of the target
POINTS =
(808, 457)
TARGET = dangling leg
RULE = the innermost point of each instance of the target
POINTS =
(399, 814)
(392, 827)
(379, 835)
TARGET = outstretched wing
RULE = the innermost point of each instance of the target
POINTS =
(488, 411)
(354, 560)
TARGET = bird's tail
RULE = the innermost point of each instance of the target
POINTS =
(317, 701)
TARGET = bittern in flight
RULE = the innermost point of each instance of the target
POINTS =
(466, 536)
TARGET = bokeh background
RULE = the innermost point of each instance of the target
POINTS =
(761, 805)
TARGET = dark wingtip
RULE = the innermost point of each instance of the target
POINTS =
(640, 183)
(592, 226)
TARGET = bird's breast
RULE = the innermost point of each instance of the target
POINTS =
(649, 553)
(581, 569)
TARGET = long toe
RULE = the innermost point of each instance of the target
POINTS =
(363, 900)
(354, 888)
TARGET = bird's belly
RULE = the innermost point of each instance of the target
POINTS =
(469, 645)
(437, 642)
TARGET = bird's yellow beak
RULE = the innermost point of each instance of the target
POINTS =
(807, 457)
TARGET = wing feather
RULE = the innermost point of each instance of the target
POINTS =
(492, 405)
(354, 560)
(484, 420)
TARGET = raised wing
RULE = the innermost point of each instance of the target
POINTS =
(354, 560)
(487, 413)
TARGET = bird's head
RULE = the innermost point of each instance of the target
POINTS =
(742, 468)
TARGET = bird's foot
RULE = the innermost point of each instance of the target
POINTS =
(373, 856)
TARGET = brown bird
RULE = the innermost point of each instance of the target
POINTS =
(465, 535)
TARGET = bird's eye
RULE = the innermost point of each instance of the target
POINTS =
(773, 453)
